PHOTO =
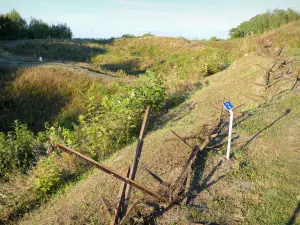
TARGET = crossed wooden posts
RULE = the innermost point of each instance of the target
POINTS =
(121, 212)
(174, 192)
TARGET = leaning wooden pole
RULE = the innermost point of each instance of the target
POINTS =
(109, 171)
(137, 154)
(117, 216)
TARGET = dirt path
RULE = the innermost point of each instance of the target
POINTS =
(18, 62)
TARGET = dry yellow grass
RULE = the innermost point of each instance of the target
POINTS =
(42, 94)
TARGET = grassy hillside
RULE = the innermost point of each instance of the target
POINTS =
(46, 94)
(100, 116)
(259, 185)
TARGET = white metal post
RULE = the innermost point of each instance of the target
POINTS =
(229, 133)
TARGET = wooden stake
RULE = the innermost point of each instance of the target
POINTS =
(182, 140)
(109, 171)
(117, 216)
(137, 154)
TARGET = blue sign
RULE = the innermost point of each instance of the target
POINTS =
(227, 105)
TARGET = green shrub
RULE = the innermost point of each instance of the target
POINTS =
(116, 121)
(16, 150)
(128, 36)
(148, 35)
(214, 38)
(48, 176)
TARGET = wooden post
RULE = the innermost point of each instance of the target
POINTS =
(137, 154)
(296, 81)
(268, 74)
(117, 216)
(109, 171)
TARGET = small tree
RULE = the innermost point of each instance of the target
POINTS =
(38, 29)
(60, 31)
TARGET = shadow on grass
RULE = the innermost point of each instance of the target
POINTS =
(130, 67)
(292, 220)
(55, 51)
(196, 188)
(265, 128)
(33, 204)
(32, 105)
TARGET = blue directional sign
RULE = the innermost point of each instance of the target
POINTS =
(227, 105)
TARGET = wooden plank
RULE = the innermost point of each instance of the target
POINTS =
(109, 171)
(118, 213)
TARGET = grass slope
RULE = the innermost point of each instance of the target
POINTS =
(259, 185)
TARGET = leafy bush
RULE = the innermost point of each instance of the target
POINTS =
(148, 35)
(48, 176)
(128, 36)
(16, 150)
(214, 38)
(116, 121)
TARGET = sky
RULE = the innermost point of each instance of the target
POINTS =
(191, 19)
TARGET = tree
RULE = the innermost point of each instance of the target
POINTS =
(61, 31)
(38, 29)
(264, 22)
(12, 25)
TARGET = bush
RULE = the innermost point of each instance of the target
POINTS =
(148, 35)
(116, 121)
(48, 176)
(214, 38)
(128, 36)
(16, 150)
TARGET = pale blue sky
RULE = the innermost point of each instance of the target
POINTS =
(107, 18)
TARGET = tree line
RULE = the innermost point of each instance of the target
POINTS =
(264, 22)
(13, 26)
